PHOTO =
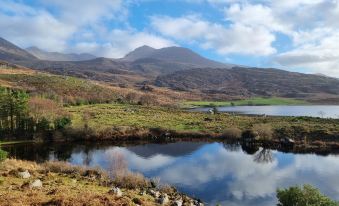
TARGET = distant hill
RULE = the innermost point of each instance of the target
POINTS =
(56, 56)
(11, 52)
(174, 54)
(240, 81)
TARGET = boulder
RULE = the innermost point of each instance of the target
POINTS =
(178, 202)
(155, 194)
(116, 191)
(163, 199)
(24, 175)
(36, 184)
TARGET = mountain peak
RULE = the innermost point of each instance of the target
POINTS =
(139, 53)
(174, 54)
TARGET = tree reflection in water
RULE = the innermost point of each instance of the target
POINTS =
(263, 156)
(232, 147)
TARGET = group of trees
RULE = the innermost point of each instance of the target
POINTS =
(22, 116)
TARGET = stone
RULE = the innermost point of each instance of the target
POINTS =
(155, 194)
(117, 191)
(142, 193)
(24, 175)
(36, 184)
(178, 202)
(163, 199)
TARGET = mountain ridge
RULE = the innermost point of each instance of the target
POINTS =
(9, 51)
(57, 56)
(172, 68)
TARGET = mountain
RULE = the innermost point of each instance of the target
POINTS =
(56, 56)
(245, 82)
(181, 69)
(11, 52)
(139, 53)
(174, 54)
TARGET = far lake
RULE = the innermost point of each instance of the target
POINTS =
(323, 111)
(216, 172)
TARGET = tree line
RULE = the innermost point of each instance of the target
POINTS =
(22, 116)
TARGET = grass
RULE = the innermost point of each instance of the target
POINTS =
(103, 116)
(14, 142)
(63, 184)
(258, 101)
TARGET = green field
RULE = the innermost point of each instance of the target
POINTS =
(258, 101)
(103, 116)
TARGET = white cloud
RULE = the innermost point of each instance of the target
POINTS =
(81, 12)
(321, 54)
(236, 38)
(117, 43)
(26, 26)
(74, 26)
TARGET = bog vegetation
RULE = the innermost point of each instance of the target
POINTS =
(302, 196)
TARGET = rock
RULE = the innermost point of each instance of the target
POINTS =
(197, 203)
(178, 202)
(116, 191)
(163, 200)
(24, 175)
(155, 194)
(36, 184)
(142, 193)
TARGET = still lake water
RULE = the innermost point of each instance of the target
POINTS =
(326, 111)
(214, 172)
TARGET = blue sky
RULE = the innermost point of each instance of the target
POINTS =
(297, 35)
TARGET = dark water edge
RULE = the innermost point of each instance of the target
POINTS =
(214, 171)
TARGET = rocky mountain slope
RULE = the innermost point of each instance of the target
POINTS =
(240, 81)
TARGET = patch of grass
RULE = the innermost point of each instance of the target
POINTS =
(258, 101)
(107, 116)
(15, 142)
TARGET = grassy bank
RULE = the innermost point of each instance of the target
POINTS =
(15, 142)
(119, 119)
(59, 183)
(252, 102)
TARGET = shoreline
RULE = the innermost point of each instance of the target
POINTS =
(60, 183)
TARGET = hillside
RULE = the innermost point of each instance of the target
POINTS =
(250, 82)
(181, 69)
(57, 56)
(11, 52)
(68, 90)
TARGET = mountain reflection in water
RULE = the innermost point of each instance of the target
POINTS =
(228, 174)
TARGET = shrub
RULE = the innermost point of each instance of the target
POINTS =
(301, 196)
(62, 123)
(3, 155)
(263, 131)
(248, 134)
(122, 177)
(233, 133)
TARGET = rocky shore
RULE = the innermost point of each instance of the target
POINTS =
(61, 184)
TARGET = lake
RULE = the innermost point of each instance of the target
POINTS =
(215, 172)
(323, 111)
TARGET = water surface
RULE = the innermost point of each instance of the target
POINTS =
(323, 111)
(214, 172)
